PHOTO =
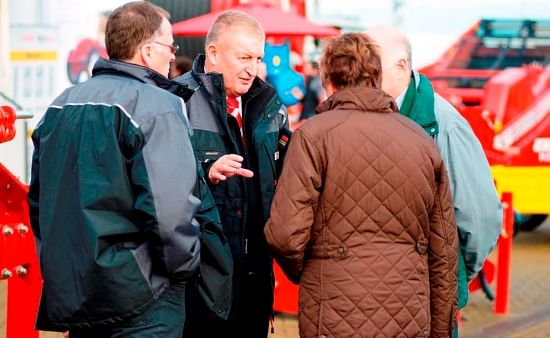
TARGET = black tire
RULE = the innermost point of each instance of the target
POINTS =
(531, 222)
(181, 10)
(73, 78)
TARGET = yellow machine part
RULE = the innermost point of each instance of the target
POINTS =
(530, 187)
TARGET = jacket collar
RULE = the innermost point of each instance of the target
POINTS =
(140, 73)
(359, 98)
(418, 104)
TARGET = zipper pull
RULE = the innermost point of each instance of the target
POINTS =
(246, 246)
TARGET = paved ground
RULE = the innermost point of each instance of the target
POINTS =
(529, 306)
(530, 293)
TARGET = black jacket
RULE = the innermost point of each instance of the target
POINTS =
(243, 204)
(111, 197)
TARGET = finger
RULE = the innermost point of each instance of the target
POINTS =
(226, 170)
(232, 164)
(218, 176)
(244, 173)
(233, 157)
(215, 175)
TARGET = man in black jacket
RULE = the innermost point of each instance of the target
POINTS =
(238, 122)
(111, 201)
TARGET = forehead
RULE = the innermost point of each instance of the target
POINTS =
(165, 29)
(243, 40)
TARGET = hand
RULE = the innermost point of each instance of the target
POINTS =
(227, 166)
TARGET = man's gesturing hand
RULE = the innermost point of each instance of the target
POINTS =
(227, 166)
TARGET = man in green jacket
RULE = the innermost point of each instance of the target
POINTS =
(240, 136)
(476, 203)
(110, 198)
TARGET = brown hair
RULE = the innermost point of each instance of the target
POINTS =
(130, 25)
(351, 60)
(229, 19)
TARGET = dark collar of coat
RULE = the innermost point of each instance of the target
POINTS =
(141, 73)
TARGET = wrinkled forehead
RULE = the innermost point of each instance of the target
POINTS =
(244, 39)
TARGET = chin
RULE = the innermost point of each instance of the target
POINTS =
(245, 90)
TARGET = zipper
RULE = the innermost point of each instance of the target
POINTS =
(271, 160)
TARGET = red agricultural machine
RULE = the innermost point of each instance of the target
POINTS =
(498, 76)
(18, 260)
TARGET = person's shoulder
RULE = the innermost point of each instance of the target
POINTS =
(156, 94)
(447, 115)
(323, 123)
(147, 101)
(188, 80)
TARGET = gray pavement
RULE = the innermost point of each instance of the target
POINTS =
(529, 314)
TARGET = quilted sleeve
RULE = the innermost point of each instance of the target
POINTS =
(292, 212)
(443, 259)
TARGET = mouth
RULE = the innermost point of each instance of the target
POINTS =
(246, 80)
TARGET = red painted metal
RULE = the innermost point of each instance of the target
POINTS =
(501, 108)
(489, 274)
(499, 80)
(504, 260)
(7, 120)
(286, 293)
(18, 259)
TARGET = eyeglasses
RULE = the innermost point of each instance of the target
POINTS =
(173, 47)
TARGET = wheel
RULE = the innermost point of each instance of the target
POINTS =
(73, 78)
(530, 222)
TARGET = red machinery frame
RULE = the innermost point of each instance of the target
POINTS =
(18, 259)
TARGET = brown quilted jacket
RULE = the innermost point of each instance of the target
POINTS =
(363, 220)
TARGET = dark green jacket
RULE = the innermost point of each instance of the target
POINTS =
(243, 204)
(111, 199)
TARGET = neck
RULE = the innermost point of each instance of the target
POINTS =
(136, 60)
(402, 86)
(208, 66)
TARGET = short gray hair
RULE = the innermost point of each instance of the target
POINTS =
(408, 50)
(229, 19)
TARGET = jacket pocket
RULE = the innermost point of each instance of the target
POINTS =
(203, 155)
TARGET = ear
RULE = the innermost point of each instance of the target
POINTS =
(212, 53)
(145, 55)
(403, 67)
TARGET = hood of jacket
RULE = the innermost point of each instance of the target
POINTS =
(143, 74)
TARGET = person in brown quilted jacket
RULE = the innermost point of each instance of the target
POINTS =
(362, 217)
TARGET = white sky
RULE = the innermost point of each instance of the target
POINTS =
(433, 25)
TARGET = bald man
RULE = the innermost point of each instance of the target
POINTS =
(476, 203)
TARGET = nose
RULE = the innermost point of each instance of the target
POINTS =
(252, 69)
